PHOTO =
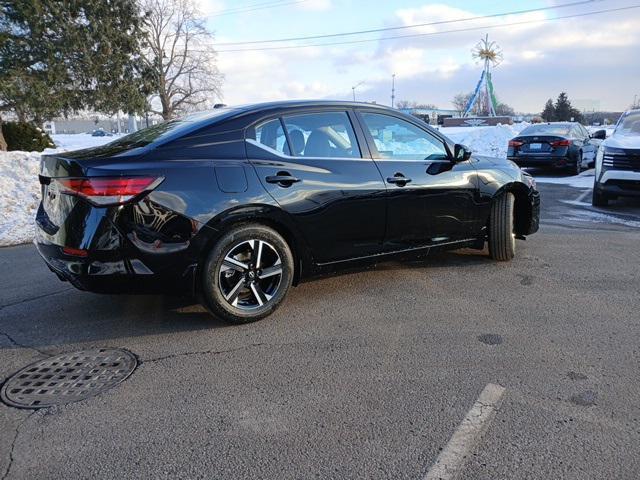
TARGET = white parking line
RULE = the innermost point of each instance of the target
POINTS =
(468, 434)
(583, 196)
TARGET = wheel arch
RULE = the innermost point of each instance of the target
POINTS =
(522, 206)
(266, 215)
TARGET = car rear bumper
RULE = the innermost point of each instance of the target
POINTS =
(94, 273)
(542, 161)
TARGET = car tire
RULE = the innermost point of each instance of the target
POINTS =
(599, 199)
(502, 240)
(247, 274)
(577, 169)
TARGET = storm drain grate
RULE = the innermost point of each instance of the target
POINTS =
(68, 378)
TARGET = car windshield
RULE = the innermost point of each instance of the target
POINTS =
(629, 125)
(547, 129)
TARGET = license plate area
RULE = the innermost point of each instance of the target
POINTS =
(535, 146)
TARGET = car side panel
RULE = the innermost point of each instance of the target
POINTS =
(338, 203)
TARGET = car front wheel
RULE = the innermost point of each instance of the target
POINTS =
(247, 274)
(599, 198)
(502, 240)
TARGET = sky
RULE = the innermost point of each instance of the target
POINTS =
(595, 59)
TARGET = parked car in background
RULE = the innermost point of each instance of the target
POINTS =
(238, 204)
(564, 145)
(101, 133)
(618, 162)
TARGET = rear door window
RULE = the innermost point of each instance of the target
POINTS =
(322, 135)
(271, 134)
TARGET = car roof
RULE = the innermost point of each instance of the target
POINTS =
(256, 107)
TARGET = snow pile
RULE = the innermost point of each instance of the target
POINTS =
(489, 141)
(20, 189)
(19, 196)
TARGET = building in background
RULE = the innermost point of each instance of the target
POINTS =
(432, 116)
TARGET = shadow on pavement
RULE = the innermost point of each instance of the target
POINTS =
(68, 317)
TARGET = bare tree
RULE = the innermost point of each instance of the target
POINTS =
(460, 102)
(413, 104)
(181, 63)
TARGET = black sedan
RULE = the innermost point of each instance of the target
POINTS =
(564, 145)
(237, 205)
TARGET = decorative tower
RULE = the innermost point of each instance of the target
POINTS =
(490, 54)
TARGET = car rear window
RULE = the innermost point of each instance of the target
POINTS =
(545, 129)
(157, 132)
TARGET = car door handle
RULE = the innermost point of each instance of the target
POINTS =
(399, 180)
(283, 179)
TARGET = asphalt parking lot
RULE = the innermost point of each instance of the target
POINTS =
(365, 375)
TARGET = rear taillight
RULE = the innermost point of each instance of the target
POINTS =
(103, 191)
(561, 143)
(515, 143)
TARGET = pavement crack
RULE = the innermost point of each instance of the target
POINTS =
(30, 299)
(15, 343)
(13, 445)
(201, 352)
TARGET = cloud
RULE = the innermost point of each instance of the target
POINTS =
(316, 5)
(589, 57)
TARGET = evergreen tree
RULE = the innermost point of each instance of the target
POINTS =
(564, 111)
(56, 57)
(549, 112)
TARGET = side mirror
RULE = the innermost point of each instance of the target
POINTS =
(461, 153)
(600, 135)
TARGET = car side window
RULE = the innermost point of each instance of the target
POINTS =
(585, 132)
(395, 138)
(271, 134)
(322, 135)
(576, 132)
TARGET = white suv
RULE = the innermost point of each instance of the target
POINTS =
(618, 161)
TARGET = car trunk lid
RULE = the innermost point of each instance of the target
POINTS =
(538, 144)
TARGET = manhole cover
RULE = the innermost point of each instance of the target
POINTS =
(67, 378)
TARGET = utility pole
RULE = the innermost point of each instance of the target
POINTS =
(635, 101)
(353, 89)
(393, 89)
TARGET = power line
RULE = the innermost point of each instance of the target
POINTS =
(403, 27)
(255, 7)
(351, 42)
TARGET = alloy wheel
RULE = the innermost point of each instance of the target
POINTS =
(250, 274)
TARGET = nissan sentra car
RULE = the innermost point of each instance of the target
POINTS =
(559, 145)
(238, 204)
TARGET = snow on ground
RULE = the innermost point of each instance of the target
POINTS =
(584, 180)
(76, 141)
(489, 141)
(19, 196)
(20, 190)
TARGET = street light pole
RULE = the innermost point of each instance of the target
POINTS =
(393, 89)
(353, 89)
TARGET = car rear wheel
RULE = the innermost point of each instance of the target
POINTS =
(502, 240)
(578, 166)
(247, 274)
